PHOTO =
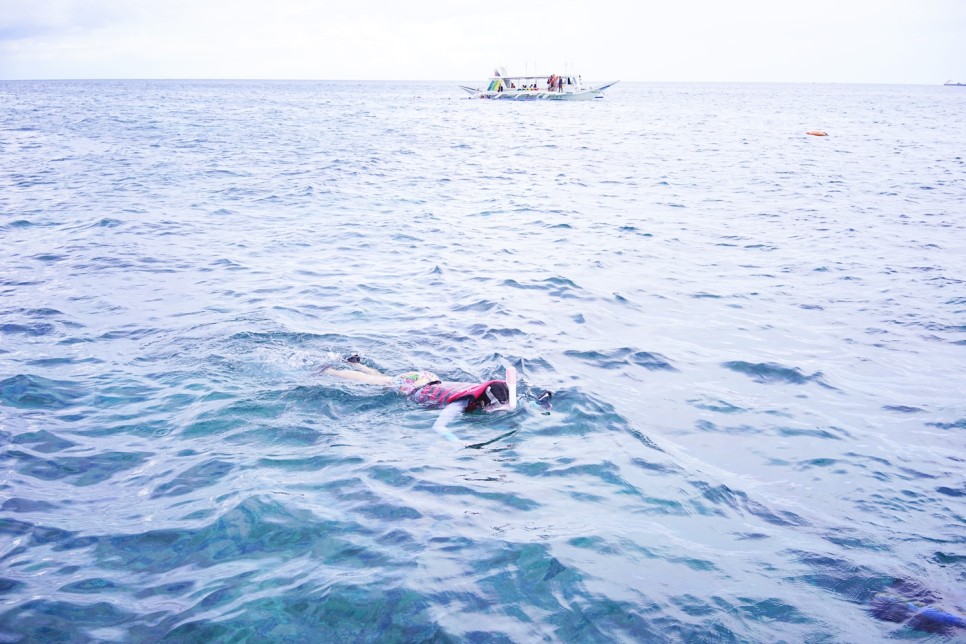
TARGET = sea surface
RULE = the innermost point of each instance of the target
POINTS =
(756, 341)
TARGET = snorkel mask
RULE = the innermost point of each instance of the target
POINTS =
(496, 397)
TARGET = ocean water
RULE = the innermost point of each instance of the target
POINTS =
(756, 341)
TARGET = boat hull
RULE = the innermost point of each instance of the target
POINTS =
(538, 95)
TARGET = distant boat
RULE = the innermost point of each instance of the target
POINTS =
(537, 88)
(952, 84)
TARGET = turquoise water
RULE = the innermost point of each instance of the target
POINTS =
(755, 339)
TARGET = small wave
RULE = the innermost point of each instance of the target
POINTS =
(736, 499)
(41, 313)
(42, 441)
(955, 492)
(556, 286)
(194, 478)
(36, 392)
(623, 357)
(720, 406)
(26, 506)
(635, 230)
(495, 333)
(708, 426)
(75, 470)
(902, 409)
(772, 373)
(34, 330)
(810, 431)
(958, 424)
(481, 306)
(660, 468)
(49, 258)
(310, 463)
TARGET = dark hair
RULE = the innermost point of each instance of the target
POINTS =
(496, 393)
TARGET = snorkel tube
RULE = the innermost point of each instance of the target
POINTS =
(511, 383)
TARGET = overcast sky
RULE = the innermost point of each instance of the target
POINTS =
(861, 41)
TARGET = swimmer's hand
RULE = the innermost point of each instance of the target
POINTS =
(543, 400)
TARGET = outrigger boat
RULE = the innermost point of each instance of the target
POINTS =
(537, 88)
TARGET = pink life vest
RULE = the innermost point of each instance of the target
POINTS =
(440, 394)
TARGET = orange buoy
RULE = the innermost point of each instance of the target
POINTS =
(817, 133)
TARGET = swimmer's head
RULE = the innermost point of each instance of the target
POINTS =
(496, 397)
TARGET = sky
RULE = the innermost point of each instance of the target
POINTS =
(836, 41)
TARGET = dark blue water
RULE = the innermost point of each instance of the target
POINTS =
(757, 341)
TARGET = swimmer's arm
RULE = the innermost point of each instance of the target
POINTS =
(448, 414)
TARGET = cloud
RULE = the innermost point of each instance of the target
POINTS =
(20, 20)
(690, 40)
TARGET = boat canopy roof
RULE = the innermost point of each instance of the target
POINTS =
(531, 78)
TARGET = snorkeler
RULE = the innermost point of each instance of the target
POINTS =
(428, 390)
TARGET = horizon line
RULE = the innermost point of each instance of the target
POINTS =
(417, 80)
